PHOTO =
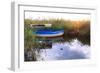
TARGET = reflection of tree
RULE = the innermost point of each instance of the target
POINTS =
(84, 40)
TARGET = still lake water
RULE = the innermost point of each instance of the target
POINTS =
(67, 50)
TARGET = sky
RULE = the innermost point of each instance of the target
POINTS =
(45, 15)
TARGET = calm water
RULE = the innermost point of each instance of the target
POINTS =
(73, 49)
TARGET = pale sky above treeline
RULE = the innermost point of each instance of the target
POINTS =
(43, 15)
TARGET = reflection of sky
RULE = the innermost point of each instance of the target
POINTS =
(63, 51)
(43, 15)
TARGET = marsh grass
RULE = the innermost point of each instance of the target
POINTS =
(72, 29)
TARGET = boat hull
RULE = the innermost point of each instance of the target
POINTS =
(49, 33)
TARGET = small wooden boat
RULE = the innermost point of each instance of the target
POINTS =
(49, 33)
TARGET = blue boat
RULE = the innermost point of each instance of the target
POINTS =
(49, 33)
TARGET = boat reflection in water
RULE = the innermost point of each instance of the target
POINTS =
(57, 45)
(58, 48)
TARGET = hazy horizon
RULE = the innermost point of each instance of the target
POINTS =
(47, 16)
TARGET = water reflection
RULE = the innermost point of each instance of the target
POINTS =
(58, 48)
(72, 49)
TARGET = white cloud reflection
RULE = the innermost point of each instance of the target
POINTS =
(63, 51)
